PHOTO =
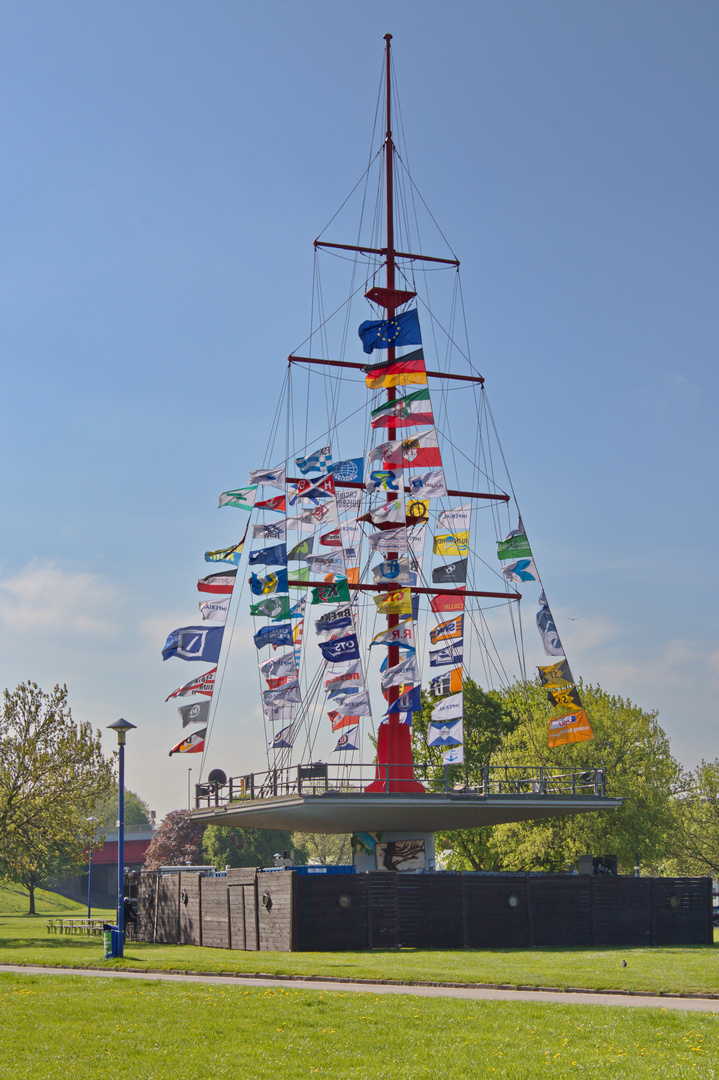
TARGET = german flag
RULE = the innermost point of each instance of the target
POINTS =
(403, 372)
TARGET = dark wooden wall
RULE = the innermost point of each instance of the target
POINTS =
(280, 912)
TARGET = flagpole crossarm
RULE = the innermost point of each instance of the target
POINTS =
(361, 367)
(362, 250)
(452, 492)
(371, 586)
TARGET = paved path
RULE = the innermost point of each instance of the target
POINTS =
(687, 1004)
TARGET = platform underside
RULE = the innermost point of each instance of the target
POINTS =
(335, 813)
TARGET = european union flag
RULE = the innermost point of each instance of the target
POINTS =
(401, 330)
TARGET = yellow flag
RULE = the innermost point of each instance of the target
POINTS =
(571, 728)
(555, 674)
(451, 544)
(418, 509)
(394, 603)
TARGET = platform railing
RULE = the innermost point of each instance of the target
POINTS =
(322, 778)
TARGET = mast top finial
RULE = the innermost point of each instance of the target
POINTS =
(388, 37)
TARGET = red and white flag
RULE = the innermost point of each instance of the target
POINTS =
(204, 684)
(193, 744)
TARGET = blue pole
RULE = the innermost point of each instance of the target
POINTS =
(121, 843)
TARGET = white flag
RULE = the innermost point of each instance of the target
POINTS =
(215, 610)
(290, 692)
(350, 534)
(332, 563)
(427, 485)
(349, 740)
(279, 712)
(272, 477)
(456, 519)
(279, 667)
(449, 734)
(391, 512)
(389, 540)
(352, 704)
(274, 531)
(401, 674)
(455, 756)
(349, 676)
(521, 570)
(449, 708)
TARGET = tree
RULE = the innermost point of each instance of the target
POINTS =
(177, 842)
(328, 849)
(137, 812)
(632, 747)
(693, 845)
(230, 845)
(52, 773)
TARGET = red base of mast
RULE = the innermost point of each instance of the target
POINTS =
(395, 771)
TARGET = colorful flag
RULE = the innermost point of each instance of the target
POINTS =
(270, 583)
(297, 636)
(402, 634)
(300, 577)
(283, 739)
(287, 694)
(394, 603)
(277, 530)
(410, 701)
(521, 570)
(405, 371)
(451, 544)
(300, 551)
(242, 498)
(197, 712)
(338, 619)
(318, 461)
(349, 740)
(448, 630)
(427, 485)
(417, 510)
(215, 610)
(392, 572)
(338, 650)
(410, 411)
(203, 684)
(272, 477)
(456, 519)
(269, 556)
(392, 513)
(351, 675)
(357, 703)
(454, 756)
(351, 470)
(218, 583)
(444, 602)
(384, 480)
(298, 610)
(453, 573)
(401, 674)
(278, 667)
(572, 728)
(191, 744)
(514, 547)
(194, 643)
(449, 708)
(273, 635)
(565, 697)
(450, 654)
(547, 629)
(338, 721)
(331, 539)
(449, 682)
(557, 674)
(274, 607)
(322, 487)
(230, 554)
(419, 449)
(445, 734)
(333, 593)
(403, 329)
(278, 503)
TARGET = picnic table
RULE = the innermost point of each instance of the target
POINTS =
(89, 927)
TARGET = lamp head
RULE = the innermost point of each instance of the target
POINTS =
(121, 727)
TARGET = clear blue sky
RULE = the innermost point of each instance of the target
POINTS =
(165, 168)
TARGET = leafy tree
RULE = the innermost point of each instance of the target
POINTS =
(693, 844)
(52, 773)
(632, 747)
(230, 845)
(137, 812)
(177, 842)
(328, 849)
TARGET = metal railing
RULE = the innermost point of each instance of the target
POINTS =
(320, 778)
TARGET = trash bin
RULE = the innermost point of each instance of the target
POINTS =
(112, 939)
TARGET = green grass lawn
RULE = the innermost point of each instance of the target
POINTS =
(14, 900)
(94, 1028)
(682, 969)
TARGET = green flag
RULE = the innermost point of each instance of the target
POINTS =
(516, 547)
(334, 593)
(242, 498)
(276, 607)
(298, 577)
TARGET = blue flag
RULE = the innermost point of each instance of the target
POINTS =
(273, 635)
(270, 556)
(401, 330)
(195, 643)
(340, 649)
(272, 583)
(408, 702)
(351, 469)
(450, 654)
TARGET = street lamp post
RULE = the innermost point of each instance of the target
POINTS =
(121, 728)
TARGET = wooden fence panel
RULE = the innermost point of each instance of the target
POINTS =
(621, 910)
(384, 923)
(190, 915)
(681, 911)
(560, 911)
(274, 911)
(167, 918)
(494, 920)
(321, 922)
(215, 920)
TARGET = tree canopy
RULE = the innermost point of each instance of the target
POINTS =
(52, 774)
(693, 844)
(177, 842)
(137, 812)
(230, 845)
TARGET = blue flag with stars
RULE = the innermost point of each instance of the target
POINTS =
(401, 330)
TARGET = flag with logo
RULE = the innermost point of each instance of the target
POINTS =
(572, 728)
(449, 682)
(403, 329)
(191, 744)
(449, 708)
(392, 572)
(215, 610)
(454, 573)
(271, 477)
(521, 570)
(427, 485)
(565, 697)
(337, 650)
(402, 674)
(349, 740)
(231, 554)
(194, 643)
(547, 629)
(447, 601)
(333, 593)
(277, 530)
(558, 674)
(444, 734)
(349, 676)
(270, 583)
(410, 411)
(456, 519)
(350, 470)
(338, 721)
(242, 498)
(318, 461)
(278, 667)
(454, 756)
(278, 504)
(197, 712)
(331, 562)
(218, 583)
(284, 738)
(409, 701)
(451, 654)
(383, 480)
(402, 634)
(446, 631)
(451, 544)
(338, 619)
(273, 635)
(203, 684)
(300, 551)
(283, 695)
(274, 607)
(269, 556)
(357, 703)
(419, 449)
(514, 547)
(394, 603)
